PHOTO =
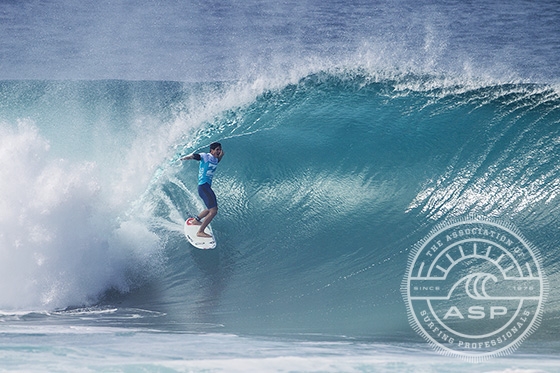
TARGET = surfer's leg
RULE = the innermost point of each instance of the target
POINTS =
(198, 219)
(208, 218)
(209, 198)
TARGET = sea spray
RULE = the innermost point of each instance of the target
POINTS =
(60, 241)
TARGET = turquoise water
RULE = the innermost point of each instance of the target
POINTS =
(346, 144)
(327, 185)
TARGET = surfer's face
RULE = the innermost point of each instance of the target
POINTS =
(216, 151)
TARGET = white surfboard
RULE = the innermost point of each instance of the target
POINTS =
(199, 242)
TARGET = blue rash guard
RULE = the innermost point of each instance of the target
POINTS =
(207, 167)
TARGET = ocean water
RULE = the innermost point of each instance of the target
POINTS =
(350, 129)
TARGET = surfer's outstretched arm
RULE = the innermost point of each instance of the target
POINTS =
(191, 156)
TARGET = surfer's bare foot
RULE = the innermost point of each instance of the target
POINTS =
(203, 234)
(195, 222)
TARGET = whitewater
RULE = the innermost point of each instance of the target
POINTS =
(351, 131)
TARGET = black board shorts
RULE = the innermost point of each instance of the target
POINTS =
(207, 194)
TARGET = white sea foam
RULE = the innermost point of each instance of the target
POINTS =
(60, 240)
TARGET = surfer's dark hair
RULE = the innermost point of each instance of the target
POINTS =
(215, 145)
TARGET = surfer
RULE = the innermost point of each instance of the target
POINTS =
(208, 164)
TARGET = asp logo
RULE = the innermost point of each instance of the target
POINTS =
(474, 289)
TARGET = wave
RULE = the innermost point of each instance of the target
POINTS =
(328, 180)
